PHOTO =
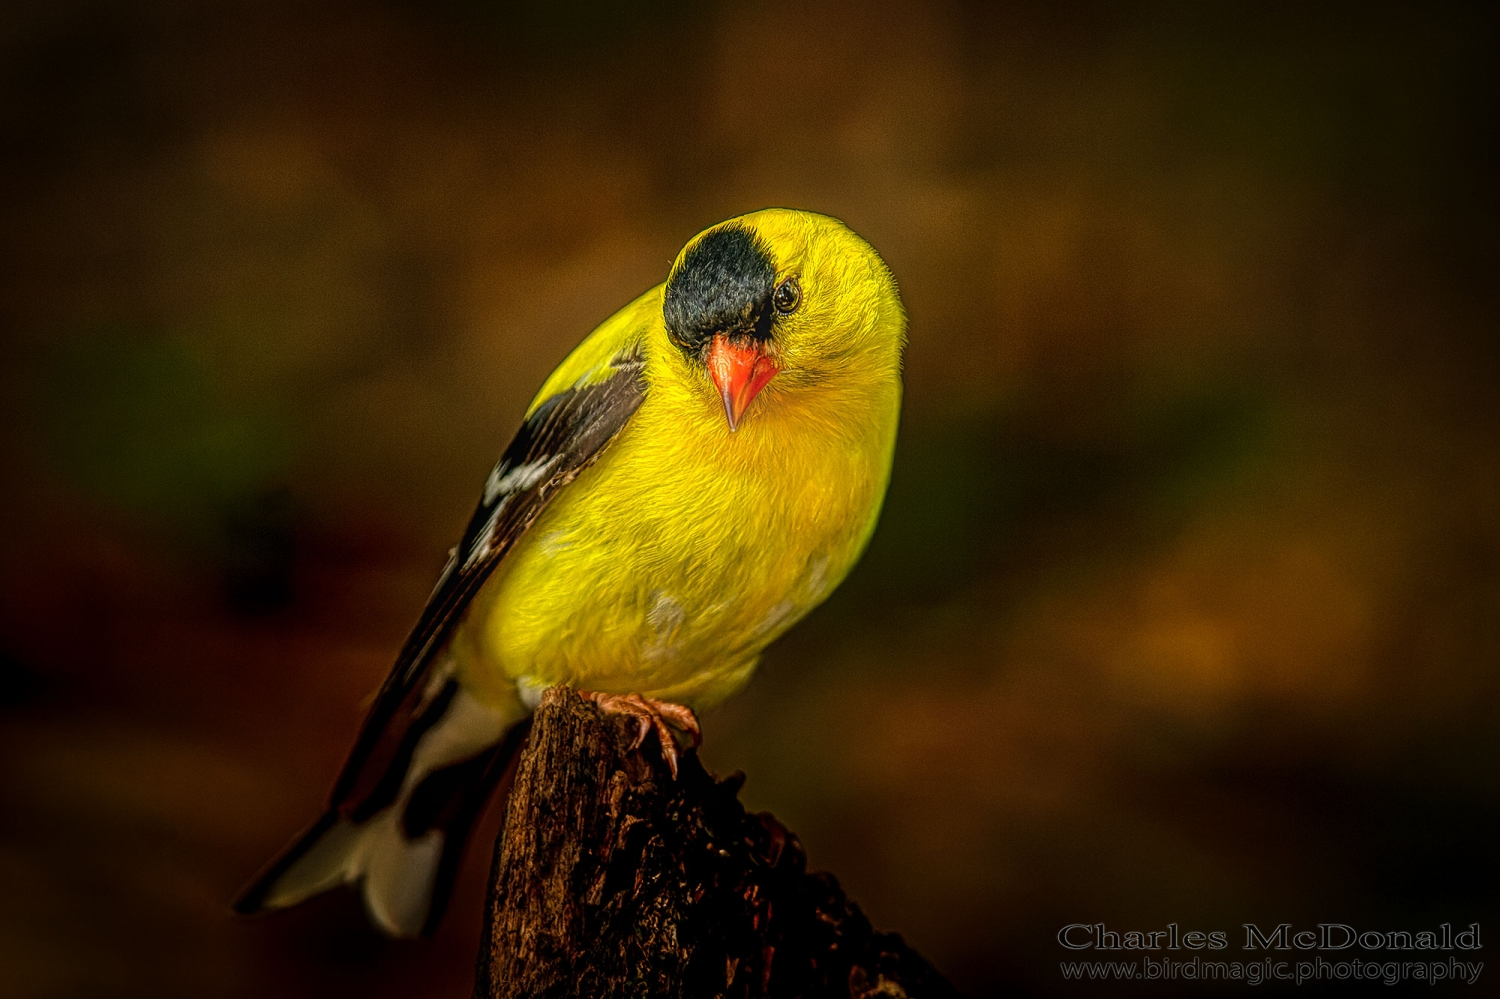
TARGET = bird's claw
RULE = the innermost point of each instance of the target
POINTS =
(651, 714)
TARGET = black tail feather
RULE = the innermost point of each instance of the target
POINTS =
(452, 803)
(252, 897)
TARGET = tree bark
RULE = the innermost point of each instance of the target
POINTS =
(612, 879)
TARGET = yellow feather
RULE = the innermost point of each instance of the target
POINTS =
(667, 567)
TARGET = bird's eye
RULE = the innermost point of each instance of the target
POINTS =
(788, 296)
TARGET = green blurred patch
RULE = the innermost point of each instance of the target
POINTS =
(969, 498)
(134, 421)
(1188, 446)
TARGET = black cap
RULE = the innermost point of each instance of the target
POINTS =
(723, 286)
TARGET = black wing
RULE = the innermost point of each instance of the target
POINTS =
(564, 436)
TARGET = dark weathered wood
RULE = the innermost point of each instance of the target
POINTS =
(611, 879)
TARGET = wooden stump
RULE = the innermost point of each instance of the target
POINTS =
(611, 879)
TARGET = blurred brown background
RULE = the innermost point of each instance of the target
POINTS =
(1186, 602)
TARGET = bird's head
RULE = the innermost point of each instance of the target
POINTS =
(784, 295)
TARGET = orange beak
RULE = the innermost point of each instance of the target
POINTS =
(739, 371)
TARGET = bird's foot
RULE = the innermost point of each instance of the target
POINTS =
(651, 714)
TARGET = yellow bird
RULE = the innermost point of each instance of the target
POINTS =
(702, 471)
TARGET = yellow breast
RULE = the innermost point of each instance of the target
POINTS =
(669, 566)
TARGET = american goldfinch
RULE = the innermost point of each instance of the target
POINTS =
(695, 477)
